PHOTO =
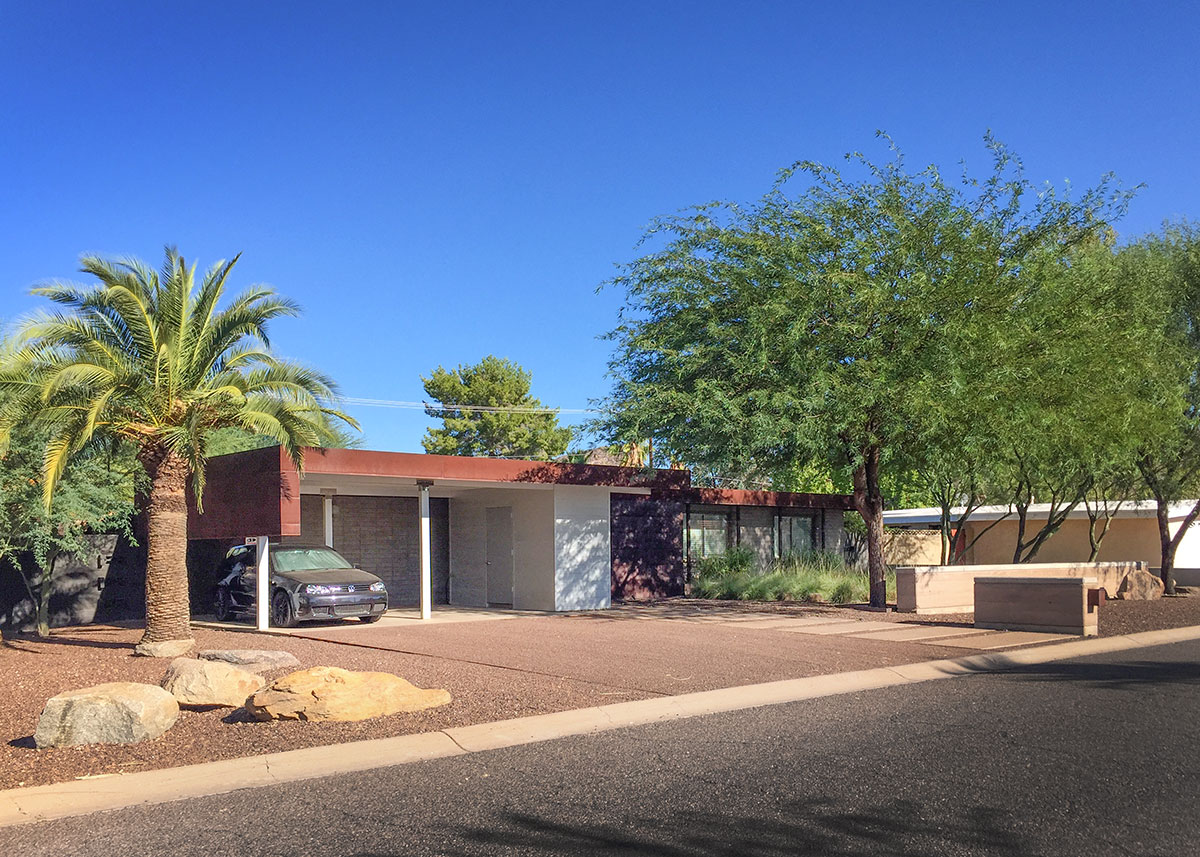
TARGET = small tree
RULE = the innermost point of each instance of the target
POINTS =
(486, 410)
(94, 494)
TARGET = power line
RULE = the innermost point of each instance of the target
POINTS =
(490, 409)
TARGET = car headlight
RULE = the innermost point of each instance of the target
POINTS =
(318, 589)
(378, 586)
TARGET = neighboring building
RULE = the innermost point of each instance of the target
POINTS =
(530, 534)
(1133, 535)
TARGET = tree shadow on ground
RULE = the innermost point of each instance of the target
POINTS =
(1123, 676)
(814, 827)
(53, 640)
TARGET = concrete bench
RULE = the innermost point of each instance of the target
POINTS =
(951, 588)
(1060, 605)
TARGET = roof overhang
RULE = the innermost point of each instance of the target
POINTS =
(257, 492)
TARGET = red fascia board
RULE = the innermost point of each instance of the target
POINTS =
(740, 497)
(363, 462)
(251, 493)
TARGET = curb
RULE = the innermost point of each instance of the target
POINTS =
(83, 797)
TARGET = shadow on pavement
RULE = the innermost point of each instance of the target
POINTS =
(1138, 674)
(900, 827)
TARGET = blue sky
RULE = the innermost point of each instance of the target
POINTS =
(438, 182)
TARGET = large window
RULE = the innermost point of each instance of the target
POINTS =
(707, 534)
(796, 534)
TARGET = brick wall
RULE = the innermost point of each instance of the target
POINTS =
(381, 535)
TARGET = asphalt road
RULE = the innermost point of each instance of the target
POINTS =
(1092, 757)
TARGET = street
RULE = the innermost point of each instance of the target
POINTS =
(1094, 756)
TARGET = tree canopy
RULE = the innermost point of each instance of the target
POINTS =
(486, 409)
(835, 321)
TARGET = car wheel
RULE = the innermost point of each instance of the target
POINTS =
(369, 619)
(283, 615)
(223, 605)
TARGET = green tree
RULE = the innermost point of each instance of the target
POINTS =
(152, 359)
(94, 495)
(486, 410)
(827, 323)
(1166, 268)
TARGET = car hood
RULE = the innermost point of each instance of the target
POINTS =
(329, 576)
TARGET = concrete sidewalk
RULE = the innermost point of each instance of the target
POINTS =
(42, 803)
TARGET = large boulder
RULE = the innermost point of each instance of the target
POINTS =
(255, 660)
(164, 648)
(120, 712)
(331, 693)
(208, 683)
(1140, 585)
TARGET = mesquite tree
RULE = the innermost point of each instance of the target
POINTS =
(827, 319)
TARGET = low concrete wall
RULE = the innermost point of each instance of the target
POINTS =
(1058, 605)
(951, 588)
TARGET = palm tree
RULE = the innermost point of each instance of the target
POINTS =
(146, 357)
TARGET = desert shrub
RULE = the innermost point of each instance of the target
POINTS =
(821, 576)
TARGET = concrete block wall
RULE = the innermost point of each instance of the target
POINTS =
(756, 532)
(381, 535)
(312, 522)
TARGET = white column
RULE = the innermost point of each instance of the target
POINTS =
(327, 509)
(262, 591)
(426, 561)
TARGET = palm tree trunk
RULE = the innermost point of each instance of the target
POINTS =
(168, 612)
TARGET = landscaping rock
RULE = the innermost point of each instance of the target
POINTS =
(331, 693)
(255, 660)
(208, 683)
(164, 648)
(1140, 585)
(119, 712)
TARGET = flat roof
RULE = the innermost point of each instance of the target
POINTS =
(257, 492)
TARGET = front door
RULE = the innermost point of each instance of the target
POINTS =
(500, 556)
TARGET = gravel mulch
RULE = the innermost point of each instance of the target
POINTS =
(494, 670)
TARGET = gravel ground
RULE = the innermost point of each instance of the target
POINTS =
(494, 670)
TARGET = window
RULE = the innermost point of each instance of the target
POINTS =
(707, 534)
(797, 534)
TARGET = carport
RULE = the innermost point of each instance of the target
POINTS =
(464, 531)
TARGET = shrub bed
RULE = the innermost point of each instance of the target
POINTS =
(817, 576)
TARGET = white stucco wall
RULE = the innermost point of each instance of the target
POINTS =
(533, 546)
(582, 548)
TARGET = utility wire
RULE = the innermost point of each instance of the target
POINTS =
(490, 409)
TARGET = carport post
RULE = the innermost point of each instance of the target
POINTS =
(426, 562)
(327, 515)
(262, 583)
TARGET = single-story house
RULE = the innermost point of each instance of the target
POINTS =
(1132, 535)
(498, 532)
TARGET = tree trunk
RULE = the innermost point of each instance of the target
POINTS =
(168, 612)
(45, 584)
(868, 500)
(1167, 557)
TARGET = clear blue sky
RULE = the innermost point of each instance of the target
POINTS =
(437, 182)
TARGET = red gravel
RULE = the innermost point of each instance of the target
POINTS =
(493, 669)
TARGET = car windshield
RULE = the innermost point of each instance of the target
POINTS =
(307, 559)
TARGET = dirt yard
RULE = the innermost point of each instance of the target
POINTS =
(494, 669)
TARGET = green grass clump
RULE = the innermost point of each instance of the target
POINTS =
(818, 576)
